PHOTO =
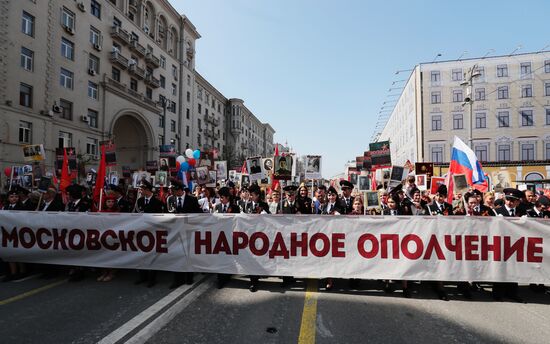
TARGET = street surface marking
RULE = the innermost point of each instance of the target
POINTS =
(26, 278)
(147, 314)
(31, 293)
(156, 325)
(309, 315)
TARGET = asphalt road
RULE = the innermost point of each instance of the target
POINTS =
(40, 310)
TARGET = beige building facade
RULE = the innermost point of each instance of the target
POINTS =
(75, 73)
(510, 110)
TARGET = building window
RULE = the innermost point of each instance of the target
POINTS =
(173, 107)
(481, 120)
(525, 69)
(503, 152)
(547, 116)
(199, 141)
(27, 57)
(502, 71)
(27, 24)
(188, 96)
(547, 149)
(117, 22)
(527, 118)
(133, 84)
(67, 49)
(199, 123)
(162, 62)
(456, 74)
(188, 80)
(95, 36)
(161, 121)
(93, 63)
(66, 109)
(91, 146)
(481, 152)
(200, 108)
(206, 111)
(67, 18)
(66, 78)
(458, 121)
(187, 111)
(503, 119)
(437, 154)
(92, 90)
(92, 117)
(65, 139)
(502, 92)
(149, 92)
(25, 132)
(95, 8)
(161, 140)
(187, 131)
(547, 89)
(480, 93)
(436, 122)
(172, 126)
(547, 66)
(162, 82)
(526, 91)
(457, 96)
(115, 74)
(175, 72)
(527, 151)
(436, 97)
(174, 90)
(25, 95)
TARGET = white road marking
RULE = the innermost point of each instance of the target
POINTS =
(152, 311)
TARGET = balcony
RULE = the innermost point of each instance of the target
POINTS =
(216, 122)
(116, 84)
(152, 60)
(207, 132)
(138, 48)
(150, 101)
(137, 71)
(121, 35)
(216, 136)
(152, 81)
(209, 118)
(118, 59)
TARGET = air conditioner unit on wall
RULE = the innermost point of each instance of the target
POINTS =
(81, 6)
(56, 108)
(97, 46)
(85, 119)
(92, 72)
(69, 29)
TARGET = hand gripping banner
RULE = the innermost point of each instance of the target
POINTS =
(490, 249)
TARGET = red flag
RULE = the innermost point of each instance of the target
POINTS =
(65, 176)
(100, 180)
(243, 169)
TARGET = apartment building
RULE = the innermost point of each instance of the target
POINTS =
(76, 73)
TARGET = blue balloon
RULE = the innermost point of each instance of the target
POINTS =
(184, 166)
(197, 154)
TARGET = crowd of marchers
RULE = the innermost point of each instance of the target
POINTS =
(405, 199)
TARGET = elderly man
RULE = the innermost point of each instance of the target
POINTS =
(51, 202)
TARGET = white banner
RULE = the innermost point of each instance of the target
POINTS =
(491, 249)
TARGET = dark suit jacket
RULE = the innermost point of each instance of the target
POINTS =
(55, 205)
(338, 207)
(387, 211)
(245, 207)
(502, 211)
(304, 205)
(81, 207)
(345, 207)
(124, 206)
(259, 207)
(288, 209)
(190, 205)
(542, 214)
(28, 205)
(16, 207)
(155, 206)
(435, 210)
(231, 208)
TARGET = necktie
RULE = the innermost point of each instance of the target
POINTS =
(179, 202)
(393, 212)
(146, 201)
(442, 208)
(330, 209)
(347, 202)
(511, 212)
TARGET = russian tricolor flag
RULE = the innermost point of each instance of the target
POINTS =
(464, 161)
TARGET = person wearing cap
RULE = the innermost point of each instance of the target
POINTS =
(290, 206)
(527, 201)
(13, 201)
(122, 203)
(76, 203)
(346, 200)
(439, 205)
(303, 200)
(244, 203)
(51, 201)
(333, 206)
(148, 203)
(512, 199)
(24, 199)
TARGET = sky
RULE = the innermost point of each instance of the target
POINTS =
(318, 71)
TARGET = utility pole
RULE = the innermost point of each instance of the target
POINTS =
(469, 99)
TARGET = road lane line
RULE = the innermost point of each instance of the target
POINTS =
(309, 315)
(31, 293)
(148, 314)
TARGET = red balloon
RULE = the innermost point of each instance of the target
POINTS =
(7, 171)
(192, 162)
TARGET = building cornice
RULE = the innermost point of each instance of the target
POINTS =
(203, 82)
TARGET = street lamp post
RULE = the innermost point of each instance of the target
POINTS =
(469, 99)
(163, 102)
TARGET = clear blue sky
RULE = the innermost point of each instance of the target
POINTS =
(318, 70)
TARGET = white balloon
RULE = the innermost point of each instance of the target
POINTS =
(180, 159)
(189, 153)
